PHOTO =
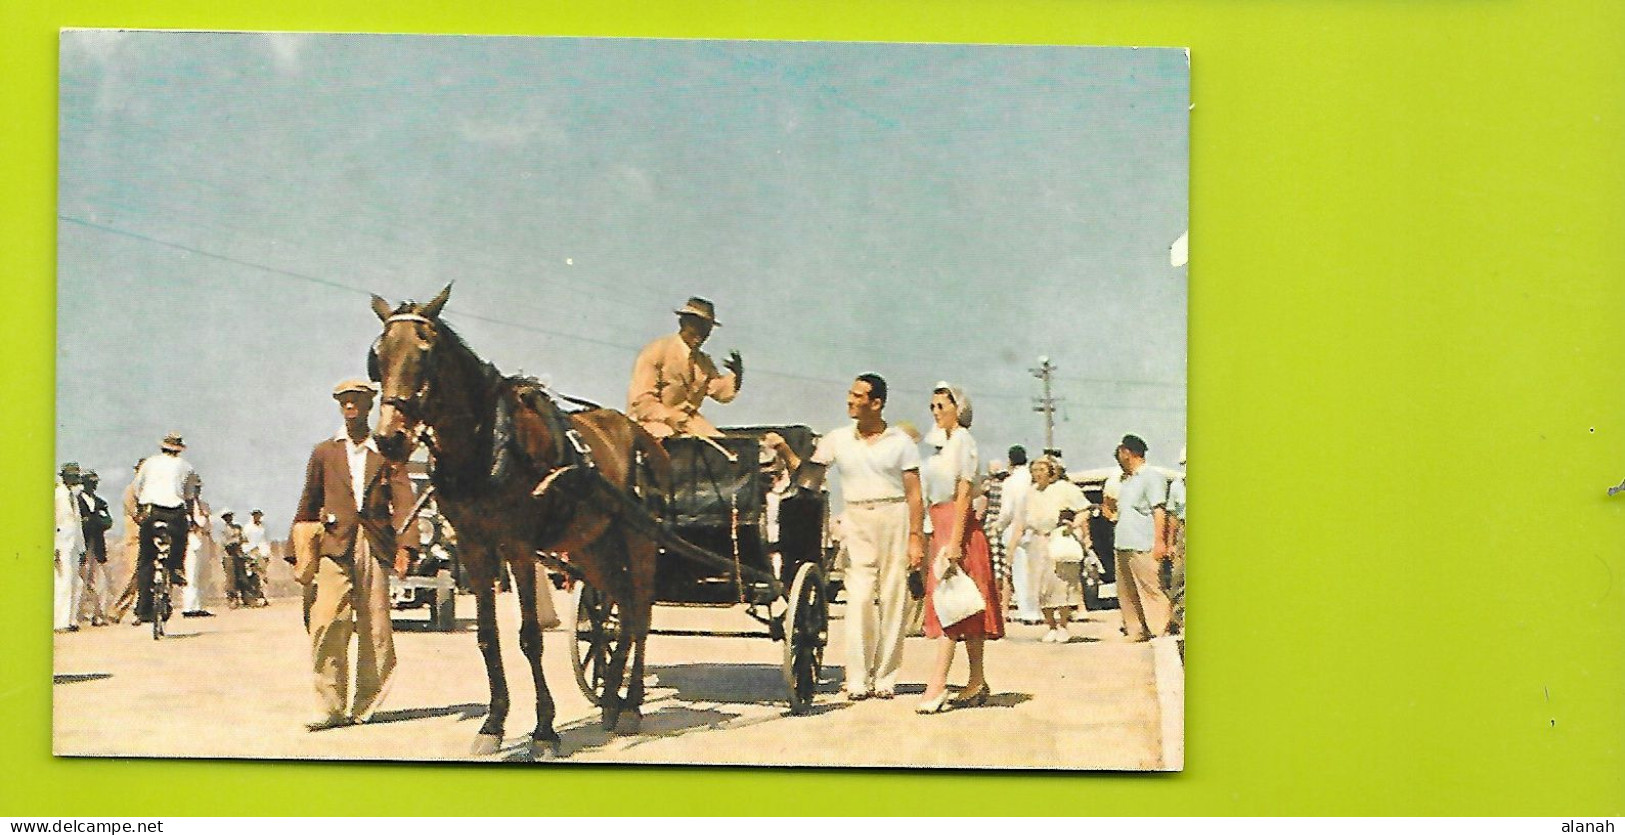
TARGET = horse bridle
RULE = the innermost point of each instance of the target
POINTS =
(410, 405)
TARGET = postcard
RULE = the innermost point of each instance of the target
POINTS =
(621, 401)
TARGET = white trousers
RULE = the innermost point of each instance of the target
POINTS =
(69, 588)
(196, 565)
(876, 594)
(1026, 574)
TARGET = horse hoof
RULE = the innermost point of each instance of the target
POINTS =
(629, 723)
(543, 750)
(486, 744)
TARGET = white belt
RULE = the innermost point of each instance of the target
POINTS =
(874, 502)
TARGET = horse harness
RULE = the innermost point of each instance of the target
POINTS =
(575, 468)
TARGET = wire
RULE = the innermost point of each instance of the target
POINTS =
(111, 230)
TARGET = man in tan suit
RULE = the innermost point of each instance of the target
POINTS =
(361, 500)
(672, 377)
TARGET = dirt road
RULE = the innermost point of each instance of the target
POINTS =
(236, 685)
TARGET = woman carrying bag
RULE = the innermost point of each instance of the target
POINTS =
(961, 602)
(1051, 508)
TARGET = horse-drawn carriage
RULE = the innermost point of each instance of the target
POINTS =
(522, 479)
(738, 542)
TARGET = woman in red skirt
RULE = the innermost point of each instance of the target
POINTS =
(957, 545)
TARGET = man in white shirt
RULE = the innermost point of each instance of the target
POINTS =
(257, 545)
(1024, 579)
(68, 549)
(163, 490)
(883, 529)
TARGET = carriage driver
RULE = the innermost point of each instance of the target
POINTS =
(672, 377)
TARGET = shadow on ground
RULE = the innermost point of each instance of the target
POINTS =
(422, 625)
(463, 712)
(75, 678)
(753, 684)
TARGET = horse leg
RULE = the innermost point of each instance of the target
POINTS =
(489, 738)
(615, 673)
(544, 741)
(641, 555)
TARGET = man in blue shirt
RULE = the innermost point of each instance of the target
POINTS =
(1142, 544)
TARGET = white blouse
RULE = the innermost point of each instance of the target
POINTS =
(955, 462)
(1044, 506)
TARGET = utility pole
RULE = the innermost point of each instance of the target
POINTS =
(1046, 404)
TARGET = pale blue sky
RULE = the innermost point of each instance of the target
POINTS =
(923, 211)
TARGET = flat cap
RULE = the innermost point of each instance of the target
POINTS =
(355, 386)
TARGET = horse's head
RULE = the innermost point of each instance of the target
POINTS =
(402, 363)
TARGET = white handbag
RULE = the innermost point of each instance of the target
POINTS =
(956, 596)
(1064, 547)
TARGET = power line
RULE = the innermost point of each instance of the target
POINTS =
(111, 230)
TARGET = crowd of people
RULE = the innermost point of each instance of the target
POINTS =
(165, 490)
(1018, 532)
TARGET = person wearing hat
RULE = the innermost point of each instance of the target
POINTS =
(132, 551)
(93, 565)
(360, 499)
(257, 545)
(164, 486)
(231, 559)
(672, 377)
(1141, 540)
(69, 547)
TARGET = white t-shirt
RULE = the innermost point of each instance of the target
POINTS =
(161, 481)
(255, 541)
(955, 462)
(869, 471)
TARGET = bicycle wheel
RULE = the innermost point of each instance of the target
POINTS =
(160, 583)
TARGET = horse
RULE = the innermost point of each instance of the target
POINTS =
(517, 475)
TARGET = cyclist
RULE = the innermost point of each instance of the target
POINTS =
(164, 487)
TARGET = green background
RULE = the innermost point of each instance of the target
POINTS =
(1405, 405)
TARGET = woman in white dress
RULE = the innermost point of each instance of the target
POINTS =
(1054, 553)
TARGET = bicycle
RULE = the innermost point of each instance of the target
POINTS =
(161, 604)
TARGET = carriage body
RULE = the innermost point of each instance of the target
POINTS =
(730, 509)
(739, 542)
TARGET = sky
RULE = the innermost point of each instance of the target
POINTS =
(228, 202)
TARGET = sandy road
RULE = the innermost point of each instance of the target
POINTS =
(236, 686)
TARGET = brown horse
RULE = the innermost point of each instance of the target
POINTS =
(495, 440)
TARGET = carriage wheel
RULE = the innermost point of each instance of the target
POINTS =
(806, 631)
(595, 629)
